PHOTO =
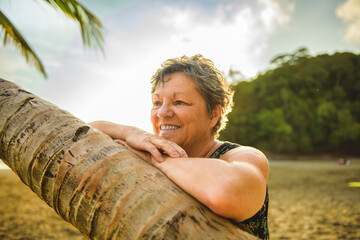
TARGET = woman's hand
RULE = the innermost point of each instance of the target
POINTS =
(140, 140)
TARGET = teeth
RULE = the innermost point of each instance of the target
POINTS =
(169, 127)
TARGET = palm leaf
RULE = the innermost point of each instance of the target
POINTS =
(12, 35)
(91, 27)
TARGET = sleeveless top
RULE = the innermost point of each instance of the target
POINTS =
(257, 224)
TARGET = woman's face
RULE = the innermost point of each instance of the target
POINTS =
(179, 112)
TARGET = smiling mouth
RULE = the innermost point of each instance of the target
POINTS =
(169, 127)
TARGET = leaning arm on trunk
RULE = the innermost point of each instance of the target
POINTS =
(233, 187)
(140, 139)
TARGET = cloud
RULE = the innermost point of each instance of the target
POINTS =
(273, 14)
(14, 68)
(46, 30)
(235, 33)
(349, 13)
(116, 87)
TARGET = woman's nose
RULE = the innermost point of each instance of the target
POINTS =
(165, 111)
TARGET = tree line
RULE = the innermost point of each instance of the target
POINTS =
(304, 105)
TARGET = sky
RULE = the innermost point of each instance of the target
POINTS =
(114, 85)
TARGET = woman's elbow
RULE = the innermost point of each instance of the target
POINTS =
(241, 205)
(96, 124)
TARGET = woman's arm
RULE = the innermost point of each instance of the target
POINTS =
(233, 187)
(140, 140)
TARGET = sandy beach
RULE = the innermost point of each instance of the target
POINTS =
(308, 200)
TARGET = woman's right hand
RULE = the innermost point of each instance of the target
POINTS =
(140, 140)
(155, 145)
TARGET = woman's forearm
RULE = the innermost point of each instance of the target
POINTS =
(114, 130)
(232, 190)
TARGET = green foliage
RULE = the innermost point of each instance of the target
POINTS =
(306, 105)
(90, 25)
(13, 36)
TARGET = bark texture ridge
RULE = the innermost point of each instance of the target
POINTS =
(92, 182)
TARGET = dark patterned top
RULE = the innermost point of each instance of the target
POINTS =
(257, 224)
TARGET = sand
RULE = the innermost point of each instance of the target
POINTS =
(308, 200)
(312, 200)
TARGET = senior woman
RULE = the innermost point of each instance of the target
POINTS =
(190, 102)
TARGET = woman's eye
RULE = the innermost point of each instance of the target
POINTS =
(179, 102)
(156, 103)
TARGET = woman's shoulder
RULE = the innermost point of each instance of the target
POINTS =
(231, 147)
(246, 154)
(223, 148)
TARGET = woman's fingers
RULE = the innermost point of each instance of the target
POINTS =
(144, 155)
(170, 148)
(154, 151)
(121, 142)
(155, 145)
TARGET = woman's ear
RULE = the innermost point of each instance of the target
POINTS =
(216, 113)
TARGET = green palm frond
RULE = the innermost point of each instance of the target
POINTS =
(91, 30)
(91, 27)
(12, 35)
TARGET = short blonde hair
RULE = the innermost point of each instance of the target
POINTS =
(208, 79)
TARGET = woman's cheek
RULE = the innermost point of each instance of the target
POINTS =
(153, 121)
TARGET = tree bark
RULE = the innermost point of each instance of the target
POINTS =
(100, 187)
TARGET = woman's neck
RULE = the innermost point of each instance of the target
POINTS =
(203, 150)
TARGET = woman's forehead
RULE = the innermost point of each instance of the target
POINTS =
(177, 75)
(177, 87)
(179, 80)
(172, 94)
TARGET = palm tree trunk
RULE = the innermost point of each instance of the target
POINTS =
(100, 187)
